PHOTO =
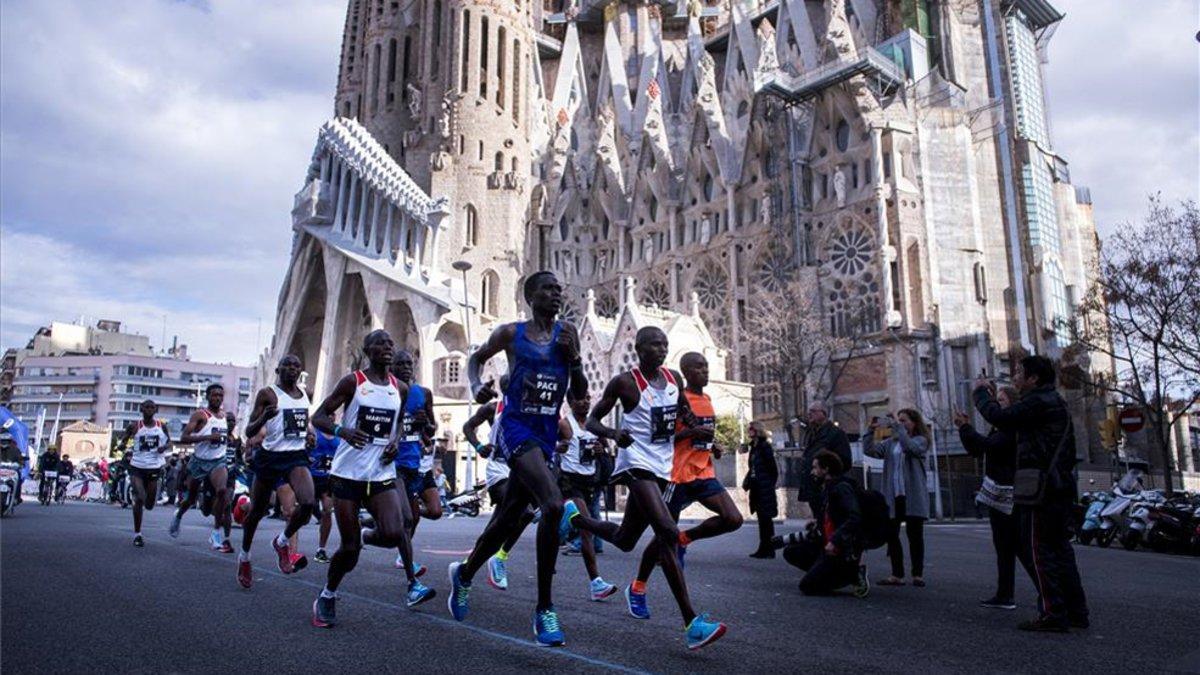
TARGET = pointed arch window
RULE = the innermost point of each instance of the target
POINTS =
(489, 297)
(472, 230)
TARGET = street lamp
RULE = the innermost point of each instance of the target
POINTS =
(463, 266)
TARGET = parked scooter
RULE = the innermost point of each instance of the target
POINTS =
(1172, 526)
(1090, 529)
(9, 473)
(1112, 517)
(467, 503)
(1141, 513)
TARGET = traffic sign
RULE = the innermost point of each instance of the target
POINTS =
(1132, 420)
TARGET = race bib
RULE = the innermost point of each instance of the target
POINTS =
(295, 422)
(325, 463)
(410, 433)
(376, 423)
(222, 436)
(587, 450)
(662, 423)
(707, 423)
(148, 443)
(541, 394)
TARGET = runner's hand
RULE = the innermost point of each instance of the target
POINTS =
(624, 438)
(717, 450)
(310, 441)
(485, 451)
(354, 437)
(389, 453)
(486, 393)
(569, 345)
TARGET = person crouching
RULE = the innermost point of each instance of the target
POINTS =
(829, 555)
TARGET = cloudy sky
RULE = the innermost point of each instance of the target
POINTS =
(149, 150)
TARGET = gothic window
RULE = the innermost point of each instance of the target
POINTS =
(514, 164)
(408, 64)
(653, 209)
(499, 163)
(655, 293)
(466, 49)
(483, 57)
(774, 269)
(842, 135)
(472, 218)
(712, 288)
(708, 187)
(489, 286)
(373, 68)
(606, 304)
(516, 66)
(852, 292)
(436, 41)
(563, 229)
(850, 251)
(391, 66)
(501, 64)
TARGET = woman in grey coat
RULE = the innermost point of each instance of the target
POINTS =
(903, 453)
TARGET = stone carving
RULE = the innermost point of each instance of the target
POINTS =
(414, 100)
(839, 186)
(705, 229)
(446, 116)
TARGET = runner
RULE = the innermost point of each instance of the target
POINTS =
(496, 476)
(208, 429)
(543, 358)
(693, 479)
(416, 430)
(321, 461)
(577, 480)
(652, 404)
(363, 471)
(150, 441)
(281, 411)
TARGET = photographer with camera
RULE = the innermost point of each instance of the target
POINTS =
(830, 550)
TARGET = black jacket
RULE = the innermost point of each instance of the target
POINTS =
(762, 478)
(998, 450)
(830, 437)
(840, 501)
(1040, 421)
(47, 462)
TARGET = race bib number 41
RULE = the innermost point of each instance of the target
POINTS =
(376, 423)
(541, 394)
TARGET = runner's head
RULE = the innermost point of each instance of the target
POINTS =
(148, 409)
(288, 370)
(651, 347)
(402, 366)
(580, 406)
(379, 348)
(543, 293)
(695, 369)
(215, 395)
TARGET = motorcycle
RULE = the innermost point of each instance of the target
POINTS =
(1112, 517)
(1090, 529)
(467, 503)
(1171, 527)
(9, 473)
(1139, 521)
(60, 489)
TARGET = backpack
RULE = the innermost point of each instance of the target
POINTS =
(876, 521)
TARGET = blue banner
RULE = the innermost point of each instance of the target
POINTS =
(15, 428)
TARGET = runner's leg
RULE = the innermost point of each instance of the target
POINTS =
(530, 470)
(326, 521)
(302, 489)
(727, 518)
(139, 499)
(504, 520)
(649, 500)
(260, 501)
(350, 531)
(218, 477)
(585, 546)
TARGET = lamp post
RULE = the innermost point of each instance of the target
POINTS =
(463, 266)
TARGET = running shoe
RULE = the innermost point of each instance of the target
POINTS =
(324, 612)
(245, 574)
(680, 552)
(299, 561)
(419, 570)
(566, 530)
(546, 629)
(703, 631)
(497, 573)
(226, 547)
(460, 593)
(284, 554)
(573, 547)
(636, 602)
(137, 541)
(214, 540)
(863, 586)
(418, 593)
(173, 530)
(998, 603)
(601, 589)
(321, 556)
(241, 509)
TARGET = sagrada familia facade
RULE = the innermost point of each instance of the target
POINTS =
(895, 155)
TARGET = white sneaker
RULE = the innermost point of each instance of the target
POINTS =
(601, 589)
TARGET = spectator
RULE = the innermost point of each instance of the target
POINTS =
(1046, 443)
(760, 483)
(999, 452)
(170, 476)
(823, 434)
(903, 441)
(829, 555)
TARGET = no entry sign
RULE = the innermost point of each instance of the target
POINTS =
(1131, 420)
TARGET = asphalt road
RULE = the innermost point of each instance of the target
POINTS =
(76, 595)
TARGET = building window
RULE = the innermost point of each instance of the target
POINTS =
(516, 65)
(501, 63)
(435, 57)
(472, 234)
(498, 165)
(489, 301)
(483, 57)
(466, 49)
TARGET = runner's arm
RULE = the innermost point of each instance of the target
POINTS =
(341, 395)
(191, 432)
(618, 389)
(126, 437)
(266, 406)
(689, 419)
(578, 386)
(486, 413)
(498, 341)
(564, 435)
(431, 425)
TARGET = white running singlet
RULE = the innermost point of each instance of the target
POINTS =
(652, 425)
(146, 444)
(286, 431)
(497, 469)
(215, 424)
(374, 410)
(580, 457)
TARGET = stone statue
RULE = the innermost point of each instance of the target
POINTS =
(648, 249)
(839, 186)
(444, 118)
(705, 229)
(414, 100)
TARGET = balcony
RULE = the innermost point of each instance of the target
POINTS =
(53, 399)
(57, 379)
(174, 383)
(878, 68)
(160, 399)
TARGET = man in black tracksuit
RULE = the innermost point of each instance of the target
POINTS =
(1042, 424)
(830, 555)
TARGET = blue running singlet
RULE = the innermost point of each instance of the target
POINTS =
(537, 383)
(408, 455)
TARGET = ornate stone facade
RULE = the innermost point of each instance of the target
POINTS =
(897, 149)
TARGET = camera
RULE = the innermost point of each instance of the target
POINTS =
(807, 531)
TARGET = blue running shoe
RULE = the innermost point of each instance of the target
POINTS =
(566, 530)
(497, 573)
(547, 630)
(636, 602)
(460, 593)
(702, 631)
(173, 530)
(418, 593)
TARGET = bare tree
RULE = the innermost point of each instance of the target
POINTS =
(1142, 314)
(793, 344)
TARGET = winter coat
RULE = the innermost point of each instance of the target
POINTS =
(913, 450)
(762, 478)
(1040, 421)
(830, 437)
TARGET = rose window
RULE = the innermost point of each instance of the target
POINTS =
(850, 251)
